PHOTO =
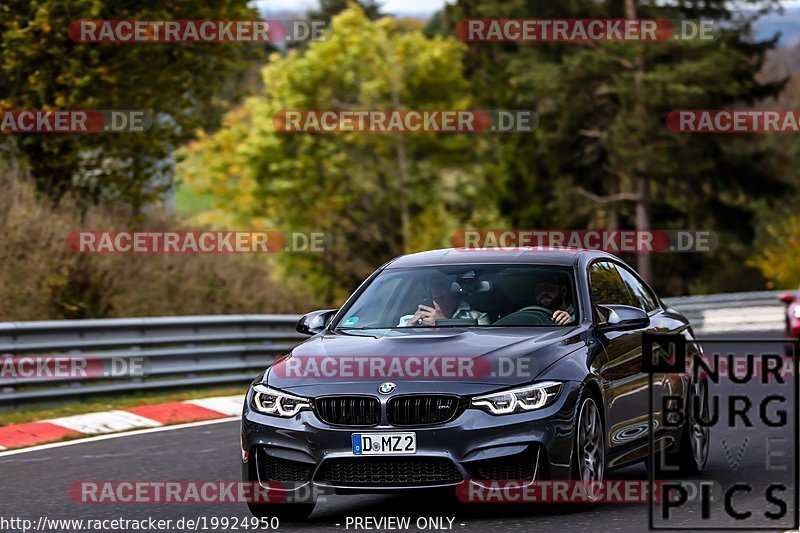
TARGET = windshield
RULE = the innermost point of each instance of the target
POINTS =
(466, 296)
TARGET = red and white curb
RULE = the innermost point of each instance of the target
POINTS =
(145, 416)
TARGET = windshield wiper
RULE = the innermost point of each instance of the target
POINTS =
(442, 326)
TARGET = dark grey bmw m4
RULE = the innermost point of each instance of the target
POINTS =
(455, 367)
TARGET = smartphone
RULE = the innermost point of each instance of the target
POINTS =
(427, 300)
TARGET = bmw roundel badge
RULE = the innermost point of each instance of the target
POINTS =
(387, 388)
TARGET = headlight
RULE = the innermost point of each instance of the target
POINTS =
(277, 403)
(518, 400)
(797, 311)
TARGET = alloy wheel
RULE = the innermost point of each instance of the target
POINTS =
(698, 432)
(591, 448)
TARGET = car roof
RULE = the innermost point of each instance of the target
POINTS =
(466, 256)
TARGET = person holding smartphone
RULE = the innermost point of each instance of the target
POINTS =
(443, 304)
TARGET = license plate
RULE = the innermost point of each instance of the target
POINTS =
(384, 443)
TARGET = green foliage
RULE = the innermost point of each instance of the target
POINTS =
(603, 109)
(330, 8)
(185, 86)
(778, 257)
(351, 185)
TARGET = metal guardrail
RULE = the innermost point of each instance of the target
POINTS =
(231, 349)
(174, 351)
(732, 312)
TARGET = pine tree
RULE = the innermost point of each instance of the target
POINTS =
(603, 156)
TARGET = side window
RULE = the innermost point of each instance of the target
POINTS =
(606, 287)
(640, 293)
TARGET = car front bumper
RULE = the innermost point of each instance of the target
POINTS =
(476, 446)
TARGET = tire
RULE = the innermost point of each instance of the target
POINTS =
(690, 456)
(790, 348)
(589, 446)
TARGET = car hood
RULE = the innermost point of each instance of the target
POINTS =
(455, 360)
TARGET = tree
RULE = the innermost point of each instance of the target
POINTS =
(603, 148)
(376, 194)
(184, 86)
(779, 256)
(330, 8)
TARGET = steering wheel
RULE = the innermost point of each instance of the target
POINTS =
(533, 315)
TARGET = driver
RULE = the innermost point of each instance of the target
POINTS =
(446, 304)
(551, 291)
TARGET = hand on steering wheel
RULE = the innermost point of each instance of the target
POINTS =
(561, 318)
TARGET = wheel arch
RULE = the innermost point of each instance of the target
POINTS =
(593, 387)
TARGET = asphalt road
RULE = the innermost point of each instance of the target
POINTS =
(36, 483)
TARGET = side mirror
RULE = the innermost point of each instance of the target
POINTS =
(787, 298)
(315, 321)
(623, 318)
